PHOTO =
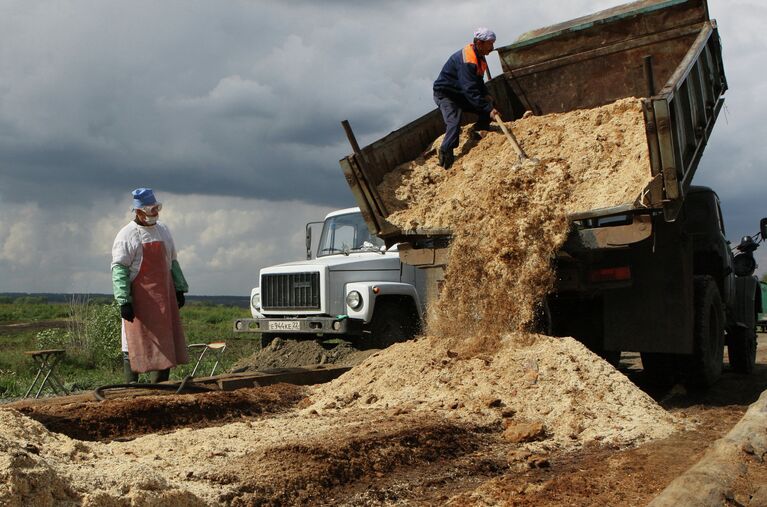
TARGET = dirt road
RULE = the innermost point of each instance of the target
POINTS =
(405, 457)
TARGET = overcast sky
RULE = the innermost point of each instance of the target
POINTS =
(231, 111)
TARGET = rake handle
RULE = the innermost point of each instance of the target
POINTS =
(510, 137)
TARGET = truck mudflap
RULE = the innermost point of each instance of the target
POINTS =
(746, 305)
(303, 325)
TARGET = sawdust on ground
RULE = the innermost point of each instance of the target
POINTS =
(544, 393)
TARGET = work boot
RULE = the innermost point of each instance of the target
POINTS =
(130, 376)
(158, 376)
(446, 158)
(480, 130)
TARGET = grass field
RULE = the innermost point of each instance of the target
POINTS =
(30, 324)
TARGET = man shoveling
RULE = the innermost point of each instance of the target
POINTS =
(461, 87)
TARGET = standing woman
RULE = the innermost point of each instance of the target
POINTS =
(149, 286)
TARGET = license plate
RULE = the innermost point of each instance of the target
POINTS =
(284, 325)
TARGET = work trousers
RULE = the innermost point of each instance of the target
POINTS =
(452, 107)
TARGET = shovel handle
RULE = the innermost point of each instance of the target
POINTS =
(510, 137)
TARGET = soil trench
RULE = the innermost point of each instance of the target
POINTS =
(126, 418)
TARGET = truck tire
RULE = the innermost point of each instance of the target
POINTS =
(611, 356)
(659, 369)
(705, 364)
(391, 323)
(742, 350)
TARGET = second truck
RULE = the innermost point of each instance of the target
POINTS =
(353, 289)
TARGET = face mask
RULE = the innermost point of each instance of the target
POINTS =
(151, 220)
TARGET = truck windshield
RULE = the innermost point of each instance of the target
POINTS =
(347, 233)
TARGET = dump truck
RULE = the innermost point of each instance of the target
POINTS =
(354, 288)
(656, 275)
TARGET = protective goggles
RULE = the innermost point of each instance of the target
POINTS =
(150, 210)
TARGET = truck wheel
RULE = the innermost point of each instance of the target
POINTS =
(659, 369)
(705, 365)
(742, 350)
(391, 323)
(611, 356)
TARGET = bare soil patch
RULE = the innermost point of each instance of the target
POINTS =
(287, 353)
(126, 418)
(308, 472)
(39, 325)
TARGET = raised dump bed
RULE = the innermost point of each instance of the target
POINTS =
(666, 52)
(643, 274)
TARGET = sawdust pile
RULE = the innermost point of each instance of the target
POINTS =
(38, 467)
(557, 382)
(509, 220)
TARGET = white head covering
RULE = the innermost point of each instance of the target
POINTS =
(484, 34)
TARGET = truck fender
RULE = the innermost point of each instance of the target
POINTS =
(371, 291)
(746, 288)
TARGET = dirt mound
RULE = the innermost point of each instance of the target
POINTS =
(302, 472)
(282, 353)
(126, 418)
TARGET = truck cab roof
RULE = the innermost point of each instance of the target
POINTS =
(344, 211)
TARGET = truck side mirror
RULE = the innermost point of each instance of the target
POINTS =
(309, 238)
(763, 227)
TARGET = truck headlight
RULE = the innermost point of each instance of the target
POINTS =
(255, 300)
(354, 300)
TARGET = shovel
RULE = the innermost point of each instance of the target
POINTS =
(512, 140)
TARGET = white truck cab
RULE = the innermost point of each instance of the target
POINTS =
(353, 288)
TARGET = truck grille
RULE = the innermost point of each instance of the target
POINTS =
(290, 291)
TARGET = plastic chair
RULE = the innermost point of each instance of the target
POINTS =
(215, 348)
(46, 361)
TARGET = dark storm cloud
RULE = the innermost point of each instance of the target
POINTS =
(237, 99)
(212, 101)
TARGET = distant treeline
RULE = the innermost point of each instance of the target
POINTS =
(51, 297)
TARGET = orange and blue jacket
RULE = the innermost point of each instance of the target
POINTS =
(463, 74)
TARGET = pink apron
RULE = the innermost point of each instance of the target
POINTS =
(155, 338)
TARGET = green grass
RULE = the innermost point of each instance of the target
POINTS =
(32, 312)
(80, 370)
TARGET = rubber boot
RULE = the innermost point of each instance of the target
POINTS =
(446, 158)
(155, 377)
(131, 377)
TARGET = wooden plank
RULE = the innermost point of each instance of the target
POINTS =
(296, 376)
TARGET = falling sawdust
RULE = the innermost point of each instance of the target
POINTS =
(508, 221)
